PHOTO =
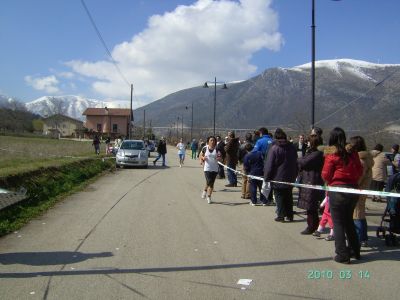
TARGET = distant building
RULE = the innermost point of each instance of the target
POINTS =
(108, 121)
(62, 126)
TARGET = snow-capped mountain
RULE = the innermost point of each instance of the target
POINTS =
(350, 93)
(72, 106)
(359, 68)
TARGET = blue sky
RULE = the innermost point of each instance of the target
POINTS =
(49, 47)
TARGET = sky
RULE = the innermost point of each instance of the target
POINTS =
(50, 47)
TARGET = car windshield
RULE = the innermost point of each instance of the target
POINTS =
(132, 145)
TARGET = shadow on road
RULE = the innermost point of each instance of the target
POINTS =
(230, 203)
(111, 271)
(48, 258)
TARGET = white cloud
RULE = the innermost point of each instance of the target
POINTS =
(186, 47)
(67, 75)
(47, 83)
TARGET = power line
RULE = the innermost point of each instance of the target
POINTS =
(358, 98)
(104, 43)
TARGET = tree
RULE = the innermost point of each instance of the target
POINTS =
(37, 124)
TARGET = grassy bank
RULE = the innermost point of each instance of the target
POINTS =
(45, 187)
(24, 154)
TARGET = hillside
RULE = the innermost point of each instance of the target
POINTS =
(282, 97)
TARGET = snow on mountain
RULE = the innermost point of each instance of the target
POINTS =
(11, 103)
(357, 68)
(72, 106)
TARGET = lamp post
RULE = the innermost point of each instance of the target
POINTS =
(130, 116)
(215, 96)
(182, 128)
(177, 124)
(313, 63)
(144, 124)
(191, 127)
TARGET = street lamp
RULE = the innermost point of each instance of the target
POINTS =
(313, 63)
(182, 128)
(191, 127)
(177, 123)
(215, 95)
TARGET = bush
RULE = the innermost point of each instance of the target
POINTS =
(44, 188)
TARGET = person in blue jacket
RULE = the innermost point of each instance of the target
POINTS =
(263, 143)
(253, 164)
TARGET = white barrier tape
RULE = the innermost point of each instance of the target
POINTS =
(321, 187)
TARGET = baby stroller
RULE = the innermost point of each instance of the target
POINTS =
(391, 216)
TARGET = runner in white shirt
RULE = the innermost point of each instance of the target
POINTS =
(209, 158)
(181, 152)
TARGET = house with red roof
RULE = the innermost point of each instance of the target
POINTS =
(112, 122)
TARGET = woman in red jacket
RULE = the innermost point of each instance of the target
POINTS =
(342, 168)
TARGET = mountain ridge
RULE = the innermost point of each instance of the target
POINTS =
(278, 96)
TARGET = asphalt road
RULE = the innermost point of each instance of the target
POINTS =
(146, 233)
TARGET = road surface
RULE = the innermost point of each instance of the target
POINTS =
(146, 233)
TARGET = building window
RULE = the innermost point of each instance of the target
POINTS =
(99, 128)
(115, 128)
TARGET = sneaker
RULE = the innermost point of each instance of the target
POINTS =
(316, 233)
(252, 204)
(208, 199)
(203, 195)
(279, 219)
(330, 238)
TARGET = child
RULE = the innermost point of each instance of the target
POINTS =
(253, 164)
(326, 218)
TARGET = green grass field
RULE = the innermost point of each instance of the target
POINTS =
(20, 154)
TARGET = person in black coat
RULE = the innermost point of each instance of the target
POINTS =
(310, 167)
(161, 150)
(281, 165)
(221, 152)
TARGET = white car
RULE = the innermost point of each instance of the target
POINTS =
(132, 153)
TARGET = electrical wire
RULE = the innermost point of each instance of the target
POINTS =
(358, 98)
(104, 43)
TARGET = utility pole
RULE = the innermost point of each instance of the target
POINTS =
(130, 116)
(191, 128)
(313, 66)
(150, 135)
(177, 124)
(144, 123)
(182, 128)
